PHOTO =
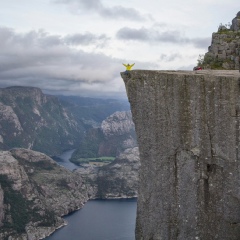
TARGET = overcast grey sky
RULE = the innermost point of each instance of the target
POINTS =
(77, 47)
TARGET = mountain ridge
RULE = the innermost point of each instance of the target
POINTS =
(50, 124)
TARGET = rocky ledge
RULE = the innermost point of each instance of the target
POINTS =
(188, 131)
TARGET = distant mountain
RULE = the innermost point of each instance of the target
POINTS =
(92, 111)
(33, 120)
(115, 134)
(49, 124)
(115, 138)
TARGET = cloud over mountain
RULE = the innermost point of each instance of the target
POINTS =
(48, 61)
(77, 47)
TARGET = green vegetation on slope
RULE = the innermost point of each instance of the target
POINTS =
(21, 210)
(89, 146)
(223, 50)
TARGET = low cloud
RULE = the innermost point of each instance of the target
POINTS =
(47, 61)
(116, 12)
(153, 36)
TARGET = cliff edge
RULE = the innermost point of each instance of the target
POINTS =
(188, 131)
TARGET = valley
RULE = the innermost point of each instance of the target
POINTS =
(104, 159)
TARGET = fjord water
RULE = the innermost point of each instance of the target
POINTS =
(63, 160)
(98, 219)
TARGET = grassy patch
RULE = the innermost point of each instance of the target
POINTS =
(94, 160)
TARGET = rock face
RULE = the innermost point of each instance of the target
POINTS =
(116, 138)
(118, 124)
(119, 133)
(32, 120)
(236, 23)
(188, 131)
(116, 134)
(34, 193)
(224, 51)
(118, 179)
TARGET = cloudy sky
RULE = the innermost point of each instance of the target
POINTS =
(77, 47)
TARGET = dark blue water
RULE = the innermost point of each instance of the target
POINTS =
(100, 220)
(63, 160)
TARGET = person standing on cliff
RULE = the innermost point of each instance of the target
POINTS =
(128, 67)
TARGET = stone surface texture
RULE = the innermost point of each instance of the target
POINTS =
(188, 131)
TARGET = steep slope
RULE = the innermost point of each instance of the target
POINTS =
(116, 134)
(118, 179)
(92, 111)
(225, 47)
(187, 127)
(34, 193)
(30, 119)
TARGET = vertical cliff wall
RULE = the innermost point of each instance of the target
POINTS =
(188, 130)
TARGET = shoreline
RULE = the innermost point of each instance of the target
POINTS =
(111, 198)
(72, 212)
(52, 232)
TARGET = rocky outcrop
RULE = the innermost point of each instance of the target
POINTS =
(119, 134)
(33, 120)
(116, 134)
(118, 179)
(224, 51)
(236, 23)
(187, 127)
(34, 193)
(118, 124)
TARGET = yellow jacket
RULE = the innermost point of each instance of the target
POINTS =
(128, 66)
